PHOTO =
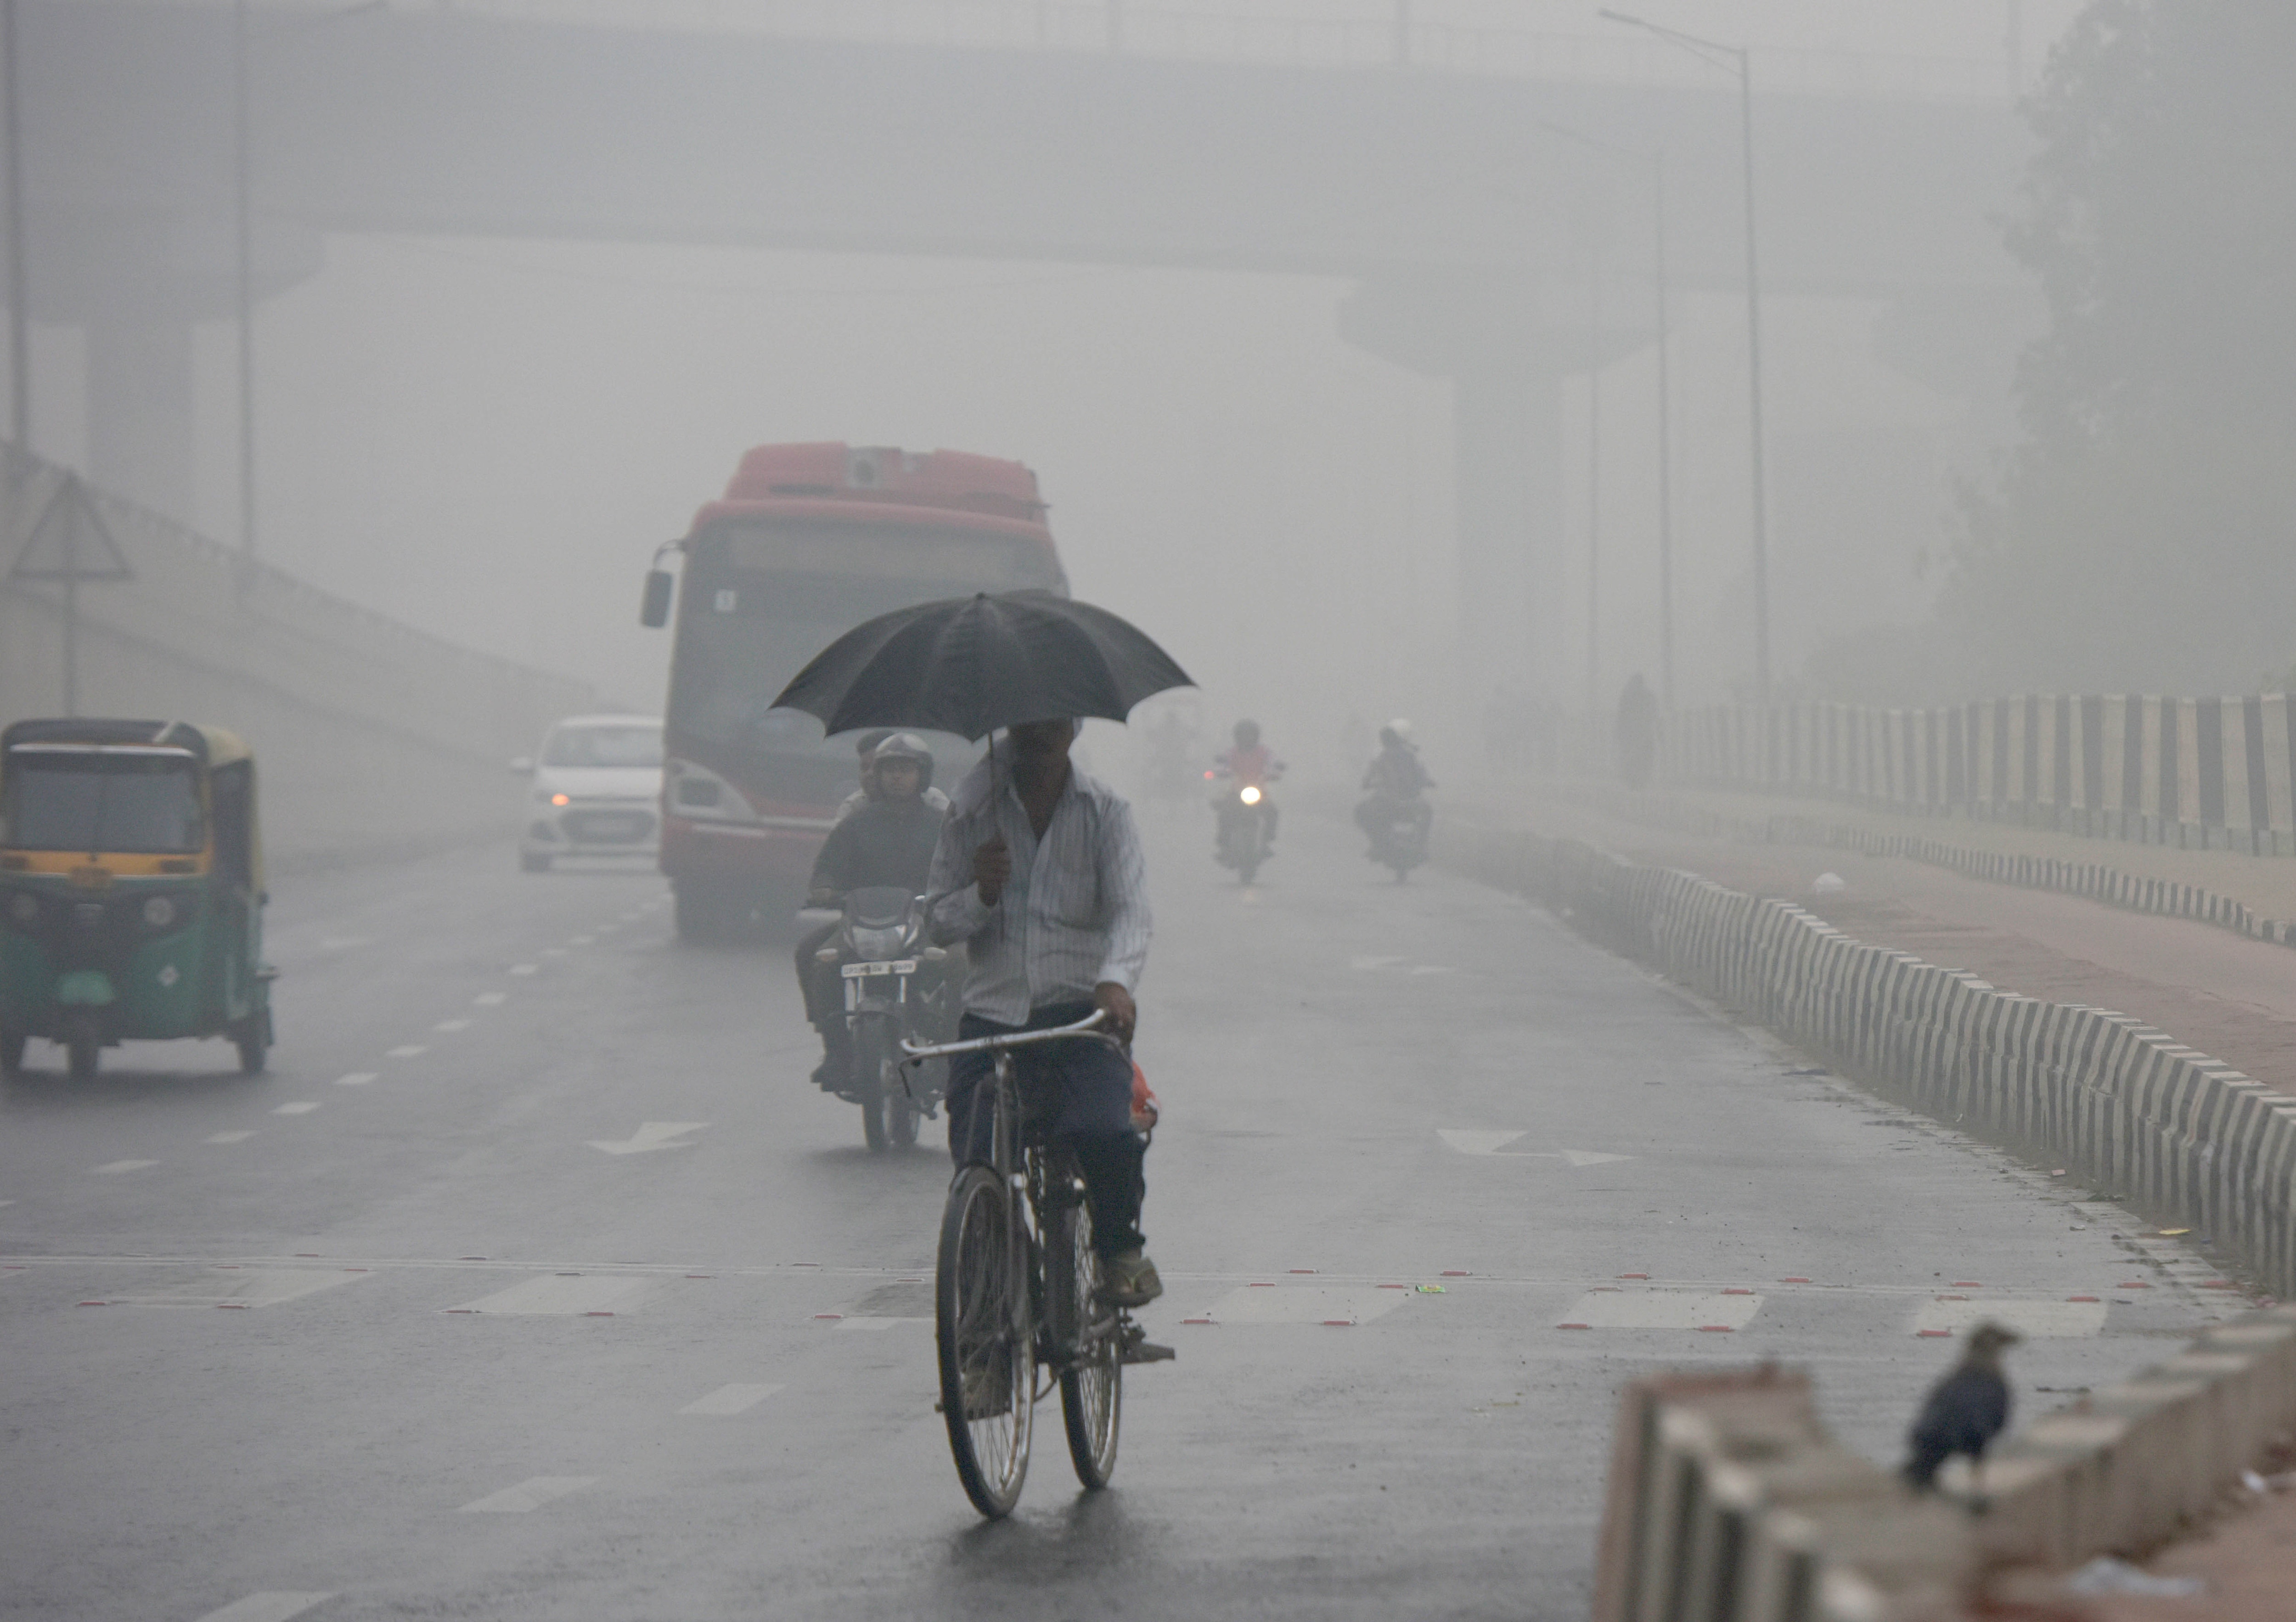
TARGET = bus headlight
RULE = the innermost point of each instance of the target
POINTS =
(159, 911)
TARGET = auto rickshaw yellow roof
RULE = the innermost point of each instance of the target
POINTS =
(215, 745)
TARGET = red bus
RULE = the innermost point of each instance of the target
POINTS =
(808, 541)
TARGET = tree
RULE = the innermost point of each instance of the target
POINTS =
(2144, 534)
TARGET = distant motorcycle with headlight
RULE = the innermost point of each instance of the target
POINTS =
(896, 985)
(1243, 810)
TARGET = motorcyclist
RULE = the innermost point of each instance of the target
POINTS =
(1249, 765)
(866, 747)
(887, 840)
(1395, 784)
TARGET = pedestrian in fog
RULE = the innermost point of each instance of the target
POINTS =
(1637, 731)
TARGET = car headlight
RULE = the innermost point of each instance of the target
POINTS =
(159, 911)
(878, 944)
(24, 907)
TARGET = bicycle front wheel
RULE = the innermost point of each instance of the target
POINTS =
(986, 1341)
(1092, 1387)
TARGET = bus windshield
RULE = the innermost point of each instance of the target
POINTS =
(604, 745)
(87, 800)
(763, 597)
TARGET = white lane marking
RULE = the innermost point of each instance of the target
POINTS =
(491, 999)
(269, 1607)
(1503, 1143)
(730, 1399)
(525, 967)
(652, 1134)
(1306, 1304)
(452, 1025)
(583, 940)
(2036, 1319)
(231, 1137)
(530, 1493)
(1432, 969)
(114, 1167)
(1662, 1309)
(242, 1287)
(562, 1295)
(356, 1078)
(1476, 1143)
(303, 1107)
(411, 1051)
(869, 1324)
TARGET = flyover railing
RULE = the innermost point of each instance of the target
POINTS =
(2201, 773)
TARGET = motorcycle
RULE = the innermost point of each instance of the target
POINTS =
(896, 985)
(1398, 835)
(1243, 813)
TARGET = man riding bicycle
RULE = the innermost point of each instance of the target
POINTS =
(1040, 874)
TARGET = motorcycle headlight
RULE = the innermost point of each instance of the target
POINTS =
(878, 944)
(24, 907)
(159, 911)
(1250, 796)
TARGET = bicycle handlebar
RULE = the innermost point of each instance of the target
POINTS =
(1089, 1026)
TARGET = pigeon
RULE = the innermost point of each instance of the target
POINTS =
(1966, 1410)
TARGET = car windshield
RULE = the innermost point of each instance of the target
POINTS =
(102, 802)
(629, 746)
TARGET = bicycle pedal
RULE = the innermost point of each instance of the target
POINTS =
(1147, 1351)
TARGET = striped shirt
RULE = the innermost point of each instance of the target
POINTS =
(1074, 914)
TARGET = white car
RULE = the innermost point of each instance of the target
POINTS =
(597, 790)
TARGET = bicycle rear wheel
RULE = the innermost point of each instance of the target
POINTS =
(987, 1342)
(1092, 1387)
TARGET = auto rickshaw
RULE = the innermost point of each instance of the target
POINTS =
(131, 890)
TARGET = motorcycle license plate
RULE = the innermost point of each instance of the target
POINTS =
(855, 971)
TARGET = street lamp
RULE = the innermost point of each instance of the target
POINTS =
(1710, 51)
(1656, 158)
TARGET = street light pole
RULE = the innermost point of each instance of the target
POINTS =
(19, 317)
(1708, 50)
(244, 223)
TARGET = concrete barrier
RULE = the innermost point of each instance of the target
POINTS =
(370, 735)
(1728, 1502)
(2184, 1138)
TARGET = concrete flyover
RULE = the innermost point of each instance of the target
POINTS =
(1448, 197)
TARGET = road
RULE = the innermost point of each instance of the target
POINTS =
(535, 1280)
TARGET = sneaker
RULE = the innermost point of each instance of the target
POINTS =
(1129, 1280)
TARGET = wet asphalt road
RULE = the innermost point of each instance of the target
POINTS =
(281, 1403)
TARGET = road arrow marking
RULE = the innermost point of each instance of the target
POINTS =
(1476, 1143)
(268, 1607)
(651, 1135)
(1592, 1156)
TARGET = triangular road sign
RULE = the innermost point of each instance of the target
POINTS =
(70, 541)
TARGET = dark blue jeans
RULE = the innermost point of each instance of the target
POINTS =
(1086, 1088)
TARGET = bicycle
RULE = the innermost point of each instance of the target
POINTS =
(1017, 1289)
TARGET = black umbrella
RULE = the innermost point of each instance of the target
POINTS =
(970, 665)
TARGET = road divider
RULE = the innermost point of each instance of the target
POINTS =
(1728, 1498)
(2141, 1117)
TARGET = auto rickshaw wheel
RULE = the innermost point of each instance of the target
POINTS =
(252, 1037)
(12, 1052)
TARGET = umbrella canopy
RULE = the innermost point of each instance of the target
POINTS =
(970, 665)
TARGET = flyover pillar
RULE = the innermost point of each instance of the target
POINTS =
(140, 394)
(1507, 365)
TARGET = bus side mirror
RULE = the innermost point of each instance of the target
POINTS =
(654, 610)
